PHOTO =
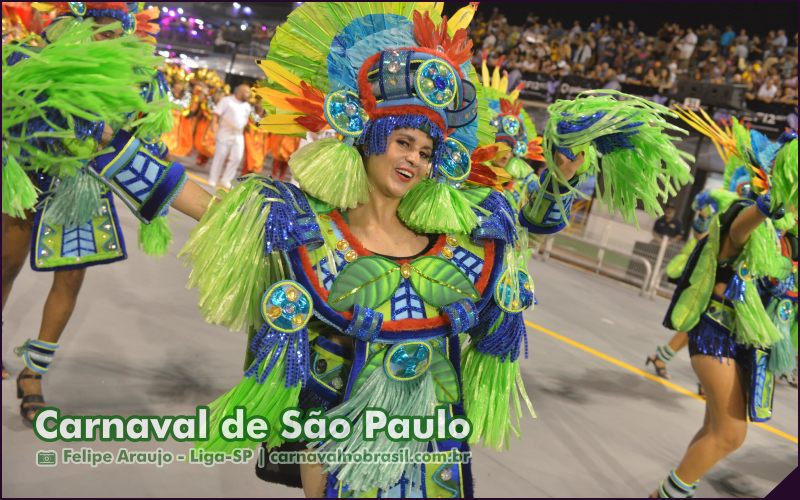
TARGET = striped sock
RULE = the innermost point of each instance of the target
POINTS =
(37, 354)
(673, 487)
(665, 353)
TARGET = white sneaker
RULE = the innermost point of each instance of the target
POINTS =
(227, 185)
(212, 184)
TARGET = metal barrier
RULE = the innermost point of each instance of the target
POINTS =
(600, 257)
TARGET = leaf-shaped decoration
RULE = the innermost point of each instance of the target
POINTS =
(368, 281)
(445, 378)
(439, 282)
(687, 310)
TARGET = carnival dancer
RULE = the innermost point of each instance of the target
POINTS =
(706, 205)
(733, 300)
(356, 286)
(54, 136)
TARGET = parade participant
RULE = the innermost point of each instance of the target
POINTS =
(233, 113)
(734, 300)
(256, 141)
(54, 136)
(706, 205)
(356, 286)
(513, 141)
(179, 139)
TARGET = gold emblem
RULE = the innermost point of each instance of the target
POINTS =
(350, 256)
(447, 252)
(405, 270)
(342, 245)
(275, 312)
(298, 320)
(292, 294)
(452, 241)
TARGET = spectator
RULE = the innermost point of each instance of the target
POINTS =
(233, 112)
(686, 48)
(768, 90)
(779, 43)
(727, 38)
(667, 226)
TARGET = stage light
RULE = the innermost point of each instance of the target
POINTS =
(180, 10)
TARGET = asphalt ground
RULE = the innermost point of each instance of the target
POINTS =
(606, 427)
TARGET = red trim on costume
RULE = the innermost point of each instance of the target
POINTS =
(361, 250)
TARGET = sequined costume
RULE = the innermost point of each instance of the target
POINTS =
(751, 322)
(443, 328)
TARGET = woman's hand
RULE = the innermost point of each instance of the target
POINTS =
(108, 134)
(567, 167)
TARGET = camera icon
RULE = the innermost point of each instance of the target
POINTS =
(46, 458)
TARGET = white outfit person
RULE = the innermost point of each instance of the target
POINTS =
(229, 149)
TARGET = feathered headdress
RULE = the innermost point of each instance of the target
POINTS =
(365, 69)
(134, 17)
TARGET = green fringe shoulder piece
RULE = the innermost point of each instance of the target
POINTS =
(724, 199)
(783, 191)
(437, 207)
(351, 187)
(638, 158)
(762, 252)
(694, 299)
(226, 252)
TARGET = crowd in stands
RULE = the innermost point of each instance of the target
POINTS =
(616, 52)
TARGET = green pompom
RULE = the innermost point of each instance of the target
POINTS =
(331, 171)
(19, 193)
(436, 207)
(155, 237)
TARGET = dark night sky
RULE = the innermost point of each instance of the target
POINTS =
(756, 17)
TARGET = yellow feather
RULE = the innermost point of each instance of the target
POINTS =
(284, 78)
(514, 95)
(461, 18)
(504, 83)
(274, 97)
(485, 74)
(43, 6)
(496, 79)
